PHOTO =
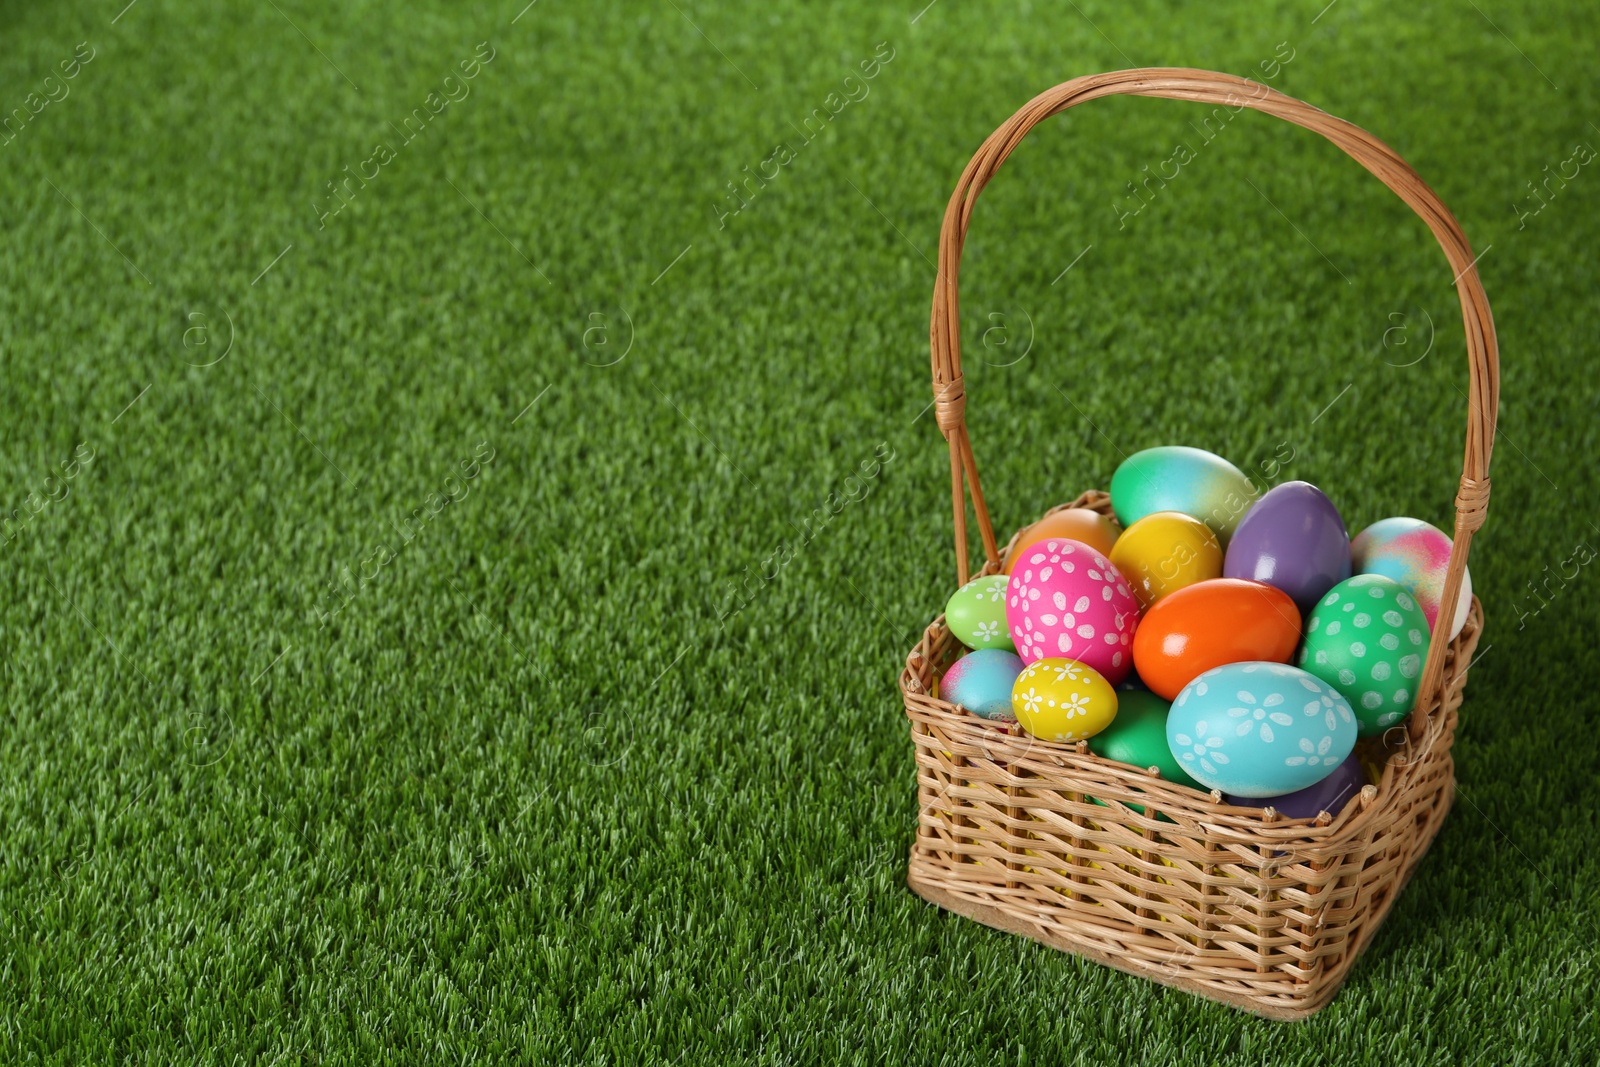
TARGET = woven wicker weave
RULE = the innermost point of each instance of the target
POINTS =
(1236, 904)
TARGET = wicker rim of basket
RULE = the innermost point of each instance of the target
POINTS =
(1211, 87)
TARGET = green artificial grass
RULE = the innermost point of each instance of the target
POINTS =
(468, 528)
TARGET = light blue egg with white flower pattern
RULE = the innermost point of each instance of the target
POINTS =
(1260, 729)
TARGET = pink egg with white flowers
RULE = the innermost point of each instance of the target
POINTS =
(1066, 600)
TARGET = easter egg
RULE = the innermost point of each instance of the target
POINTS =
(976, 613)
(1138, 735)
(1097, 531)
(981, 682)
(1164, 552)
(1062, 700)
(1065, 599)
(1329, 795)
(1260, 729)
(1367, 638)
(1208, 624)
(1293, 538)
(1416, 554)
(1175, 478)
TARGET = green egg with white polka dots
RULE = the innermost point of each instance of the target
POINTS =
(976, 614)
(1367, 638)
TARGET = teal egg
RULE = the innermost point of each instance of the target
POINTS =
(1188, 480)
(1260, 729)
(981, 682)
(976, 613)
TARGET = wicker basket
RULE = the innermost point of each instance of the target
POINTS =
(1040, 838)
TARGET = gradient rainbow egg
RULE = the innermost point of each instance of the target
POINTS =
(1415, 554)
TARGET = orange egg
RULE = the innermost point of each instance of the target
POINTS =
(1165, 551)
(1097, 531)
(1208, 624)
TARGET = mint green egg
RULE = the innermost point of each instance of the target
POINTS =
(1187, 480)
(976, 614)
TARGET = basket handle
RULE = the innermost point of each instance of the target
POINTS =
(1210, 87)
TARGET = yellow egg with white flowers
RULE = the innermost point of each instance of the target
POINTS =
(1063, 700)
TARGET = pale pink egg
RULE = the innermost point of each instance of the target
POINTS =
(1066, 600)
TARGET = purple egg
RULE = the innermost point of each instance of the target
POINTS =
(1294, 539)
(1329, 795)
